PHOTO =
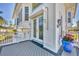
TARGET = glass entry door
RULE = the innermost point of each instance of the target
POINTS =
(34, 32)
(38, 29)
(41, 27)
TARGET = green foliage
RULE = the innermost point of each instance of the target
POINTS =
(2, 21)
(14, 30)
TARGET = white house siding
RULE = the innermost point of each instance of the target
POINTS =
(51, 35)
(51, 32)
(33, 16)
(23, 24)
(60, 12)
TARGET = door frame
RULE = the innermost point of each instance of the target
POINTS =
(37, 30)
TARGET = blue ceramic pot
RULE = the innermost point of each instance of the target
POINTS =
(67, 46)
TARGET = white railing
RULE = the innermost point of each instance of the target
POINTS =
(6, 38)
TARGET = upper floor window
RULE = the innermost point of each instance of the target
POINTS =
(27, 13)
(41, 27)
(77, 23)
(19, 19)
(20, 15)
(34, 28)
(69, 17)
(35, 5)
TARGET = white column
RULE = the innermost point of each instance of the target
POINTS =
(50, 34)
(37, 28)
(23, 13)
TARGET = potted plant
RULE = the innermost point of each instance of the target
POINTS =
(67, 43)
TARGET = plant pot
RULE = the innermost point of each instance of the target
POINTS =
(67, 46)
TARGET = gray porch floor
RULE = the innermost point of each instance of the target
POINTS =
(26, 48)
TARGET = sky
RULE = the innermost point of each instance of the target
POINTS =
(7, 9)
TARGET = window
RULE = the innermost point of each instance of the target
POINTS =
(34, 33)
(78, 23)
(20, 15)
(27, 13)
(19, 19)
(69, 17)
(41, 28)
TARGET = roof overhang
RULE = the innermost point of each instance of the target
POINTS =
(33, 15)
(15, 12)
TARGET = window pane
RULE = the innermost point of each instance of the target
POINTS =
(69, 17)
(41, 28)
(19, 19)
(69, 14)
(34, 28)
(26, 13)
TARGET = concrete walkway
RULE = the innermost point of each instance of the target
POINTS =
(24, 49)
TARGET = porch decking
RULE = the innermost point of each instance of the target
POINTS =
(29, 48)
(26, 48)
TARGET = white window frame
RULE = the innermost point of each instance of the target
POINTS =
(25, 13)
(67, 14)
(37, 30)
(68, 24)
